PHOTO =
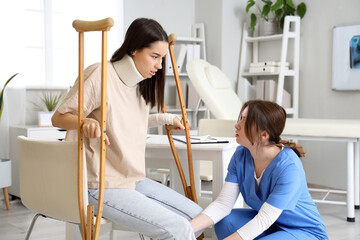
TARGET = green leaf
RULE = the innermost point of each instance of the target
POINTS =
(282, 20)
(267, 2)
(51, 101)
(301, 10)
(290, 3)
(265, 11)
(277, 5)
(2, 94)
(252, 21)
(288, 10)
(278, 14)
(250, 3)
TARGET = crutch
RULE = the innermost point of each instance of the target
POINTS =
(88, 230)
(190, 191)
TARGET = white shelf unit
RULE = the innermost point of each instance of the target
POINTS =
(197, 38)
(291, 32)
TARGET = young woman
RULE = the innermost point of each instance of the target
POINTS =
(269, 175)
(136, 80)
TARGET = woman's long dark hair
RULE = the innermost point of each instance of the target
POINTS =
(141, 34)
(270, 117)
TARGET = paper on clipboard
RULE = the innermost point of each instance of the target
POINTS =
(207, 139)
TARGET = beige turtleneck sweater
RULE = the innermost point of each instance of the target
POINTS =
(127, 123)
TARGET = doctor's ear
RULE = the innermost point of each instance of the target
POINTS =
(264, 136)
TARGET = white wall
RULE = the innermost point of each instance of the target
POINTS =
(223, 21)
(325, 161)
(209, 12)
(175, 16)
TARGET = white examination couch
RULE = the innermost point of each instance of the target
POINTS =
(339, 131)
(215, 90)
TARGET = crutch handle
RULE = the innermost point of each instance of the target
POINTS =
(88, 26)
(172, 38)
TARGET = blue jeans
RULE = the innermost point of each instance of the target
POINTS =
(151, 208)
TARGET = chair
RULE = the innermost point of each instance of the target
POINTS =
(48, 180)
(216, 128)
(215, 89)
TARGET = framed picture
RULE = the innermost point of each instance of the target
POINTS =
(346, 58)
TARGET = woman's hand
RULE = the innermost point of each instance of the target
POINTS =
(91, 129)
(177, 123)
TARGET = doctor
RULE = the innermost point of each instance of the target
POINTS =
(268, 172)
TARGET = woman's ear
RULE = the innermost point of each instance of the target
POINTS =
(264, 136)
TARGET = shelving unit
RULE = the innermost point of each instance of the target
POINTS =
(291, 31)
(198, 38)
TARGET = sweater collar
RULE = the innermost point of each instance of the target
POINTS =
(127, 71)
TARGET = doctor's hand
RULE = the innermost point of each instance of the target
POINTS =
(91, 129)
(234, 236)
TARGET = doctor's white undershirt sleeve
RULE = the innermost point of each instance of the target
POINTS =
(159, 119)
(223, 204)
(266, 216)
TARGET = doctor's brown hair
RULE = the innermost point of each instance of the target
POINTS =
(270, 117)
(141, 33)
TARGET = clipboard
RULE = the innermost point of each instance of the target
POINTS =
(207, 139)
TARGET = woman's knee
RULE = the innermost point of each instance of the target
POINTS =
(180, 228)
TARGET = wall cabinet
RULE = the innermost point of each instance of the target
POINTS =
(43, 133)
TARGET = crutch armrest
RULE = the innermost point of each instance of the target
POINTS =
(172, 38)
(88, 26)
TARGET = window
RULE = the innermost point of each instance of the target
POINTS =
(41, 44)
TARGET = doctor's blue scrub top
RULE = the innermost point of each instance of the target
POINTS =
(283, 185)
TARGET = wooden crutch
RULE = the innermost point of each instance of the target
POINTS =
(189, 191)
(88, 231)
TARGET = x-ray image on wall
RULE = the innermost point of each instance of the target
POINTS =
(346, 58)
(355, 52)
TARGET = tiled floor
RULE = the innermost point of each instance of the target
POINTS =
(14, 224)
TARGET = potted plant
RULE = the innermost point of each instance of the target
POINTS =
(269, 11)
(46, 110)
(3, 92)
(5, 164)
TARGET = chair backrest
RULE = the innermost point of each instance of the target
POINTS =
(217, 127)
(214, 88)
(48, 178)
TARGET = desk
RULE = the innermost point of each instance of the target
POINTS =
(158, 155)
(333, 130)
